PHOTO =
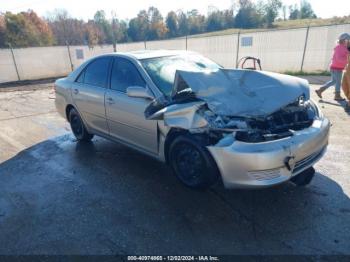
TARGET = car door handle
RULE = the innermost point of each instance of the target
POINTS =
(76, 91)
(110, 100)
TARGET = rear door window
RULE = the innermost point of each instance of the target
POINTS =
(96, 73)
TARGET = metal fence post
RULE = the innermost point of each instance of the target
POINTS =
(305, 46)
(14, 62)
(144, 42)
(238, 42)
(186, 42)
(70, 58)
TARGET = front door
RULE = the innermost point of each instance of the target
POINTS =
(125, 115)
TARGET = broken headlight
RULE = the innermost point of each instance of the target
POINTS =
(313, 110)
(293, 117)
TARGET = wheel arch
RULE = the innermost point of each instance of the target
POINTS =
(199, 142)
(175, 132)
(172, 134)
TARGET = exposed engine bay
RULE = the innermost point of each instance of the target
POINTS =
(280, 124)
(240, 105)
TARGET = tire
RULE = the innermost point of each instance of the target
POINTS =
(192, 163)
(304, 178)
(78, 127)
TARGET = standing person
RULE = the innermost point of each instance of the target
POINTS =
(346, 82)
(339, 61)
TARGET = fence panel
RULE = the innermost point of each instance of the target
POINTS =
(320, 46)
(221, 49)
(174, 44)
(7, 67)
(42, 62)
(279, 51)
(79, 54)
(126, 47)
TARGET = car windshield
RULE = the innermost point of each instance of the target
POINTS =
(162, 69)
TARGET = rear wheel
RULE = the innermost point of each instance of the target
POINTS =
(304, 178)
(78, 127)
(192, 163)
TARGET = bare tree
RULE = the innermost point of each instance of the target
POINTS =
(65, 28)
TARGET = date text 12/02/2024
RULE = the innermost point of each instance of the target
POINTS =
(173, 258)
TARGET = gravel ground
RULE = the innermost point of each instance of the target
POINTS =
(58, 196)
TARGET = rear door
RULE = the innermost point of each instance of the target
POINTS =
(125, 115)
(89, 91)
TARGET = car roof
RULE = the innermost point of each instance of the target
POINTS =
(136, 55)
(144, 54)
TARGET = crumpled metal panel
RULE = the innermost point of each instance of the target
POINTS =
(248, 93)
(182, 116)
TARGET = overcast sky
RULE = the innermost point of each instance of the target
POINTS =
(129, 8)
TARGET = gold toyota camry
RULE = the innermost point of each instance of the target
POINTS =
(248, 128)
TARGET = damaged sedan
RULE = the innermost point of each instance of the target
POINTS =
(247, 128)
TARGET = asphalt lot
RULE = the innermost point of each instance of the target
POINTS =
(58, 196)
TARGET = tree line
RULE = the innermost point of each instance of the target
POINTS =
(59, 28)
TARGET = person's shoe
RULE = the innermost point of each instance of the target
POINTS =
(320, 91)
(347, 108)
(338, 97)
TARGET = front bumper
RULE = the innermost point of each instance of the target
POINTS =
(255, 165)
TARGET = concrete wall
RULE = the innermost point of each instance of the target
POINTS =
(41, 62)
(7, 66)
(320, 46)
(221, 49)
(87, 53)
(279, 50)
(130, 47)
(173, 44)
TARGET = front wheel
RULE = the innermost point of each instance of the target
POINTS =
(78, 127)
(192, 163)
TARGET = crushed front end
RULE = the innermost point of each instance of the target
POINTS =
(273, 150)
(262, 129)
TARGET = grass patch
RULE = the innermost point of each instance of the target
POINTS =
(288, 24)
(311, 22)
(302, 73)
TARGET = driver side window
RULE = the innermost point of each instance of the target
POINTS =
(124, 75)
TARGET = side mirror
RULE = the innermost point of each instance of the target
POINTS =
(139, 91)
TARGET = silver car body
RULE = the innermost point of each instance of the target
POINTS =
(243, 93)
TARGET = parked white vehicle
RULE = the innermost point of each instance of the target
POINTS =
(250, 128)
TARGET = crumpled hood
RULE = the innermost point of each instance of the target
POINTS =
(231, 92)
